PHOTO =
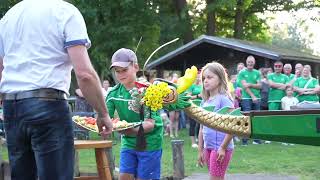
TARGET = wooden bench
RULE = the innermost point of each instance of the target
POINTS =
(103, 167)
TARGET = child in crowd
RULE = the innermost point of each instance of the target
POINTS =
(166, 121)
(265, 87)
(194, 92)
(135, 163)
(289, 100)
(174, 115)
(215, 148)
(236, 91)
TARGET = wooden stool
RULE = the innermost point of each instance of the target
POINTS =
(101, 158)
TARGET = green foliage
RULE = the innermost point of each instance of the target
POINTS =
(116, 24)
(170, 26)
(292, 37)
(5, 5)
(256, 29)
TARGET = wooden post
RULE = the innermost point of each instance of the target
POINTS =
(111, 161)
(2, 143)
(1, 165)
(6, 170)
(76, 172)
(103, 167)
(178, 159)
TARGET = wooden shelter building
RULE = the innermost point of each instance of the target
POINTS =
(229, 52)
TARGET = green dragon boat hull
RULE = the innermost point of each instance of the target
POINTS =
(299, 127)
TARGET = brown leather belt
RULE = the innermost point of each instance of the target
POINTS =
(38, 93)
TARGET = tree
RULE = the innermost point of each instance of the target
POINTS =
(247, 9)
(238, 19)
(211, 18)
(5, 5)
(115, 24)
(182, 11)
(292, 37)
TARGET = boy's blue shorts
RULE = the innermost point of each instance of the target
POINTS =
(142, 164)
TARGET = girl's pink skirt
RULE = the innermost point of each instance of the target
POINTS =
(217, 169)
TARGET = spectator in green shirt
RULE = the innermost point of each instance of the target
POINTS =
(134, 163)
(287, 70)
(174, 115)
(306, 87)
(195, 93)
(249, 80)
(278, 83)
(309, 68)
(317, 90)
(298, 69)
(240, 67)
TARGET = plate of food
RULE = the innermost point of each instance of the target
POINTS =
(88, 123)
(123, 125)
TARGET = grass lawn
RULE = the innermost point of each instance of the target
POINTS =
(274, 158)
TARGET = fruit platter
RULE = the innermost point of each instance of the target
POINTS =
(88, 123)
(120, 125)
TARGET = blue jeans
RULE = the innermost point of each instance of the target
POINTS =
(248, 105)
(39, 138)
(182, 120)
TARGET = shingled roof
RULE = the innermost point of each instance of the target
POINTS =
(207, 47)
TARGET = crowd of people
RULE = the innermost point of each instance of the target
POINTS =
(271, 88)
(275, 86)
(265, 88)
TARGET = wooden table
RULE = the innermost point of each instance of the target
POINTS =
(100, 146)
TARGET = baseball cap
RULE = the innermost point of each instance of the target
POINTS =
(123, 57)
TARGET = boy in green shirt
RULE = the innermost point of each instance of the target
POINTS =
(133, 163)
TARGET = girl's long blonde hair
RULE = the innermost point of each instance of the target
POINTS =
(219, 70)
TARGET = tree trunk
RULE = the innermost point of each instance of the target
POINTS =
(211, 18)
(239, 20)
(183, 15)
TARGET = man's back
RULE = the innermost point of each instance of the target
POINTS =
(34, 35)
(40, 41)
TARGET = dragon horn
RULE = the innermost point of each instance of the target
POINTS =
(167, 43)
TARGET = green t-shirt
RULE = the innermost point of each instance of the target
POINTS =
(251, 77)
(275, 95)
(291, 76)
(301, 83)
(195, 90)
(118, 99)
